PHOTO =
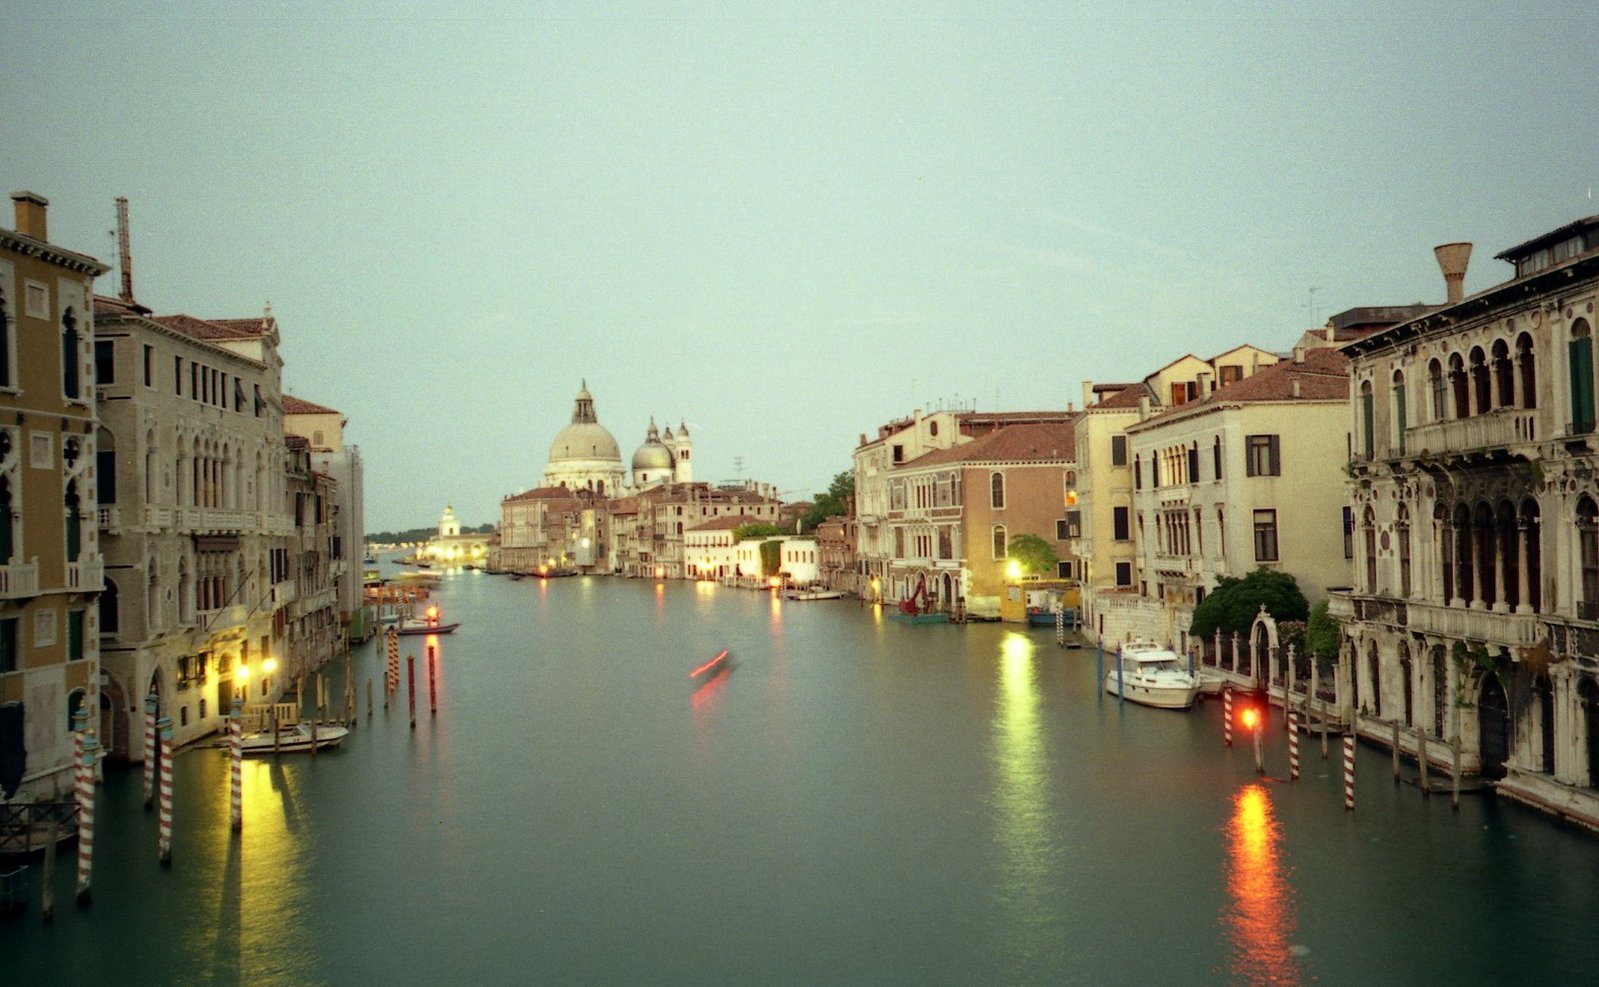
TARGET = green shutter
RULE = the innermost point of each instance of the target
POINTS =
(1581, 351)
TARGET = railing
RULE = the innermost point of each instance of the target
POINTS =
(1521, 629)
(1505, 427)
(157, 518)
(86, 575)
(19, 579)
(25, 826)
(1185, 564)
(108, 517)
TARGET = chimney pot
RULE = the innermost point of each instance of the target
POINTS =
(30, 212)
(1294, 386)
(1452, 260)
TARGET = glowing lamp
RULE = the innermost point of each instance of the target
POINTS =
(269, 666)
(1013, 569)
(1249, 717)
(243, 672)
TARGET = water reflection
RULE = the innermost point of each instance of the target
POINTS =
(1023, 821)
(1260, 919)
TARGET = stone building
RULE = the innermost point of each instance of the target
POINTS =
(1473, 618)
(50, 554)
(340, 461)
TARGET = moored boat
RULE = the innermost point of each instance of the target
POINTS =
(1151, 675)
(296, 739)
(414, 625)
(815, 594)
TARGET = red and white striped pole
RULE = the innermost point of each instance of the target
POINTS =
(394, 662)
(164, 810)
(150, 704)
(433, 687)
(1293, 746)
(80, 725)
(410, 674)
(1349, 771)
(1227, 715)
(236, 759)
(89, 748)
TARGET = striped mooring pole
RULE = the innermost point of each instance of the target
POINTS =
(1349, 771)
(433, 687)
(1293, 746)
(394, 661)
(150, 703)
(236, 761)
(163, 843)
(89, 748)
(80, 726)
(410, 673)
(1227, 715)
(1060, 626)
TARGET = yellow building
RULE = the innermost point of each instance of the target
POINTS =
(50, 563)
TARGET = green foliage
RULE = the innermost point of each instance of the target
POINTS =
(833, 503)
(771, 557)
(1035, 555)
(1232, 606)
(1321, 632)
(420, 534)
(757, 529)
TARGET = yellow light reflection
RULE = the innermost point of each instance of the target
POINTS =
(1025, 827)
(1260, 920)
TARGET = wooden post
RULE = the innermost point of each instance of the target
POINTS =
(369, 697)
(1454, 784)
(410, 673)
(1324, 729)
(236, 762)
(47, 901)
(433, 688)
(86, 816)
(1396, 750)
(164, 803)
(150, 704)
(1421, 761)
(1293, 746)
(276, 736)
(1349, 772)
(1227, 714)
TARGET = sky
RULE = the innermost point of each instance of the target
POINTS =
(782, 224)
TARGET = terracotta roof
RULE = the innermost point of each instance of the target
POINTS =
(1127, 397)
(297, 442)
(1323, 376)
(248, 327)
(545, 493)
(199, 328)
(114, 308)
(298, 406)
(1027, 443)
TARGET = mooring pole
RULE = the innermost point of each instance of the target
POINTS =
(433, 688)
(236, 762)
(164, 812)
(1293, 746)
(1421, 762)
(150, 703)
(1349, 772)
(47, 901)
(1227, 714)
(1396, 750)
(410, 673)
(86, 816)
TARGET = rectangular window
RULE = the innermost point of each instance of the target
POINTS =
(1580, 356)
(9, 660)
(194, 381)
(149, 366)
(177, 376)
(1118, 450)
(899, 454)
(1074, 524)
(1265, 536)
(1349, 532)
(1121, 529)
(1124, 574)
(105, 368)
(74, 635)
(1193, 464)
(1215, 459)
(1063, 570)
(1231, 375)
(1262, 456)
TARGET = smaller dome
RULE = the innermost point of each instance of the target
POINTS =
(652, 456)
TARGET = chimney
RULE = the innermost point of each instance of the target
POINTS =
(1299, 354)
(30, 214)
(1332, 334)
(1143, 406)
(1452, 260)
(1088, 394)
(124, 253)
(1294, 388)
(1203, 380)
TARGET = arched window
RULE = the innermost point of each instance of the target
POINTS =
(996, 490)
(1504, 376)
(1138, 472)
(1369, 531)
(74, 532)
(999, 541)
(1402, 535)
(1438, 390)
(1482, 401)
(1529, 372)
(1374, 680)
(1579, 351)
(1588, 556)
(1400, 419)
(1367, 420)
(1458, 383)
(69, 354)
(5, 343)
(1529, 523)
(1406, 671)
(108, 608)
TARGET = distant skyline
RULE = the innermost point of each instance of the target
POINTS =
(784, 225)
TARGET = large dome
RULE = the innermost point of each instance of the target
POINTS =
(584, 440)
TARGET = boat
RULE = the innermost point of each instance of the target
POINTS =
(293, 740)
(814, 594)
(715, 666)
(1152, 676)
(413, 625)
(369, 560)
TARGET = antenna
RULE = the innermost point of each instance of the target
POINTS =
(124, 254)
(738, 467)
(1311, 295)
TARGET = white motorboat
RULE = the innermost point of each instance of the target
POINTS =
(292, 740)
(1153, 676)
(814, 594)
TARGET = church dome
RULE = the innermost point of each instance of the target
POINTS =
(653, 454)
(585, 438)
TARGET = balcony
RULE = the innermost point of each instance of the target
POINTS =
(1516, 629)
(1182, 565)
(1494, 430)
(108, 517)
(19, 579)
(222, 618)
(86, 575)
(158, 518)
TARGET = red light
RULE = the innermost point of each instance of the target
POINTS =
(1249, 717)
(720, 655)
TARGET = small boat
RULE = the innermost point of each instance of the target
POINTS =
(369, 560)
(293, 740)
(717, 662)
(1149, 674)
(815, 594)
(413, 625)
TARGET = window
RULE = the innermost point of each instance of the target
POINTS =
(105, 367)
(1438, 390)
(1215, 458)
(8, 645)
(1580, 353)
(1230, 375)
(1121, 524)
(1402, 535)
(1529, 373)
(996, 490)
(1261, 456)
(1063, 570)
(74, 635)
(1399, 413)
(177, 375)
(1124, 575)
(1193, 463)
(899, 454)
(69, 354)
(109, 621)
(1349, 532)
(1265, 536)
(149, 365)
(999, 541)
(5, 344)
(1118, 450)
(1367, 416)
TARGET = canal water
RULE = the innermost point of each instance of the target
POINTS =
(855, 800)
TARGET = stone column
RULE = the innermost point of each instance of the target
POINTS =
(1524, 536)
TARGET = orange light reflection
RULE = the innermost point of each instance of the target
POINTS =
(1260, 921)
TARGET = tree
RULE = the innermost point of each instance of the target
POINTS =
(771, 557)
(756, 529)
(1035, 555)
(1321, 633)
(833, 503)
(1233, 605)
